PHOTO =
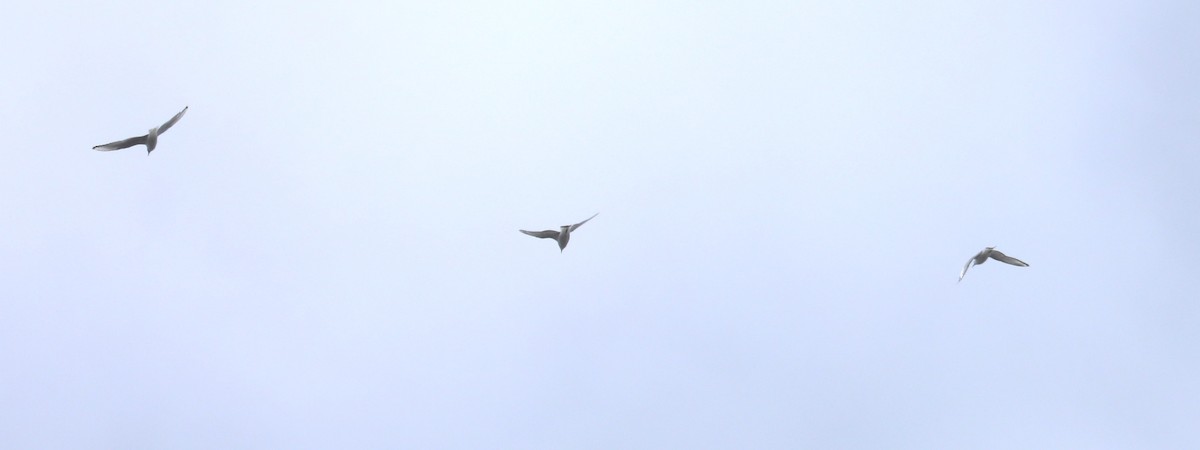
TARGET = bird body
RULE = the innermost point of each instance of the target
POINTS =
(562, 236)
(983, 256)
(150, 139)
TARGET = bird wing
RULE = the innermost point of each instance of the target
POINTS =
(573, 227)
(542, 234)
(996, 255)
(968, 266)
(121, 144)
(166, 126)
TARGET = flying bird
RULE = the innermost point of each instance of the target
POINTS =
(150, 140)
(563, 235)
(990, 252)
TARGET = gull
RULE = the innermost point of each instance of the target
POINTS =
(562, 236)
(990, 252)
(150, 140)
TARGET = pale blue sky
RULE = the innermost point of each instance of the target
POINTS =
(323, 253)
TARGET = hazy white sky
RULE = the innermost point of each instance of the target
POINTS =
(323, 253)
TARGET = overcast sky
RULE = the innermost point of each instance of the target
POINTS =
(323, 253)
